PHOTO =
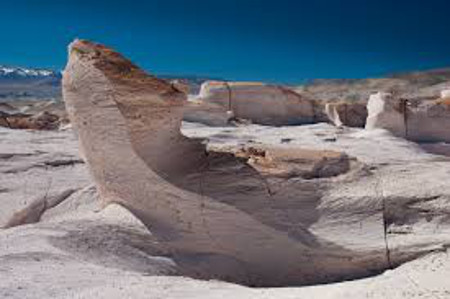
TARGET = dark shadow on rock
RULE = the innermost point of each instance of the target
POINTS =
(128, 249)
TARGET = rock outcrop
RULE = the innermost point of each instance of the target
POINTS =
(296, 163)
(420, 121)
(219, 103)
(445, 94)
(261, 217)
(209, 114)
(386, 112)
(76, 249)
(260, 103)
(351, 114)
(212, 205)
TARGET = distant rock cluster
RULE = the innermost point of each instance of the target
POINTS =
(221, 103)
(33, 115)
(421, 121)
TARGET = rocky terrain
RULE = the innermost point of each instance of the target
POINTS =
(17, 83)
(134, 203)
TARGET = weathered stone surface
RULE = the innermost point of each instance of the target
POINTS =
(207, 113)
(445, 94)
(212, 205)
(421, 121)
(41, 121)
(181, 85)
(76, 250)
(38, 169)
(294, 204)
(291, 163)
(258, 102)
(347, 114)
(259, 205)
(7, 108)
(386, 112)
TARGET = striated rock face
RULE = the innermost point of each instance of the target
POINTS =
(207, 113)
(264, 216)
(347, 114)
(260, 103)
(220, 103)
(421, 121)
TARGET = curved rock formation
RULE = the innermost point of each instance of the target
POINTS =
(258, 102)
(421, 121)
(265, 222)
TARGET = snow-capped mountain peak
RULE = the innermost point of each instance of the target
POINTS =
(8, 71)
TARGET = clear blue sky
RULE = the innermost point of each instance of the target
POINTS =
(271, 40)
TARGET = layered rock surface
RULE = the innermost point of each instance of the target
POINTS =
(421, 121)
(34, 115)
(260, 103)
(77, 252)
(40, 121)
(219, 102)
(350, 114)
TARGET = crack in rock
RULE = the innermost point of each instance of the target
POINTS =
(34, 211)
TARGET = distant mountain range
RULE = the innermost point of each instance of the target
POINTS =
(7, 72)
(19, 83)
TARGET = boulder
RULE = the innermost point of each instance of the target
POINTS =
(295, 163)
(351, 114)
(445, 94)
(207, 113)
(420, 121)
(386, 112)
(260, 103)
(181, 85)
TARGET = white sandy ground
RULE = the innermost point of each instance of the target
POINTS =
(78, 250)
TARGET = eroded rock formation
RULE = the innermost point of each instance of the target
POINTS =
(421, 121)
(259, 102)
(261, 217)
(445, 94)
(41, 121)
(207, 113)
(347, 114)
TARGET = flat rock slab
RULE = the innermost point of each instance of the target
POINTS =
(36, 167)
